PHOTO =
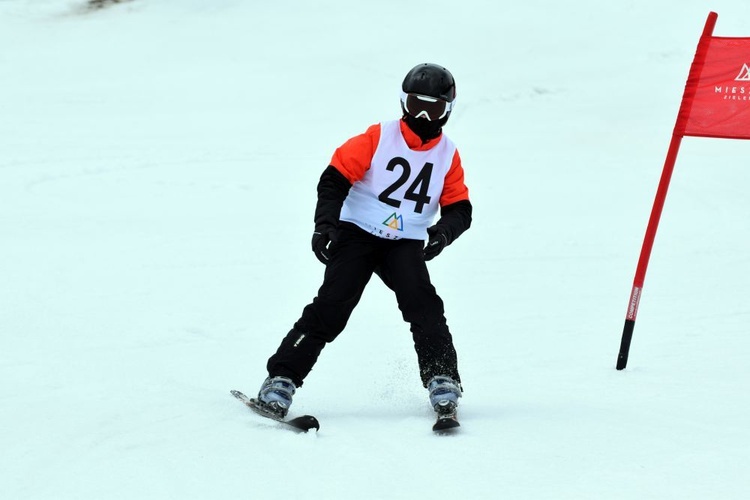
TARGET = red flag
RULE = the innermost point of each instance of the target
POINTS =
(717, 94)
(716, 103)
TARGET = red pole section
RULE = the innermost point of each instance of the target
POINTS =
(661, 192)
(653, 221)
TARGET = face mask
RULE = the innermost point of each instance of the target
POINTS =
(425, 129)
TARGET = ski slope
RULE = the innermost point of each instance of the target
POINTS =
(158, 164)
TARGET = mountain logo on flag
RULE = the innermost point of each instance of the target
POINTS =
(744, 75)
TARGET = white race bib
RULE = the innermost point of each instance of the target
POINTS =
(399, 195)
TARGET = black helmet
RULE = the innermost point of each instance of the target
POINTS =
(432, 80)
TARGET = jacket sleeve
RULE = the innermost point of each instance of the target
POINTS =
(333, 188)
(454, 219)
(352, 159)
(455, 212)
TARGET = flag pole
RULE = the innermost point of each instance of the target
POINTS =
(661, 191)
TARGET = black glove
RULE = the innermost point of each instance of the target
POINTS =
(438, 240)
(322, 239)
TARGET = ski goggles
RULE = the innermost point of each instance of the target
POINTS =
(431, 108)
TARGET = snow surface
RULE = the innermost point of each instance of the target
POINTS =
(158, 163)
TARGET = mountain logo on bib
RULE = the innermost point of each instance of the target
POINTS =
(395, 221)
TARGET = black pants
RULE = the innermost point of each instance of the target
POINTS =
(355, 257)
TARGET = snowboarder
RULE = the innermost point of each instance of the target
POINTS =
(376, 202)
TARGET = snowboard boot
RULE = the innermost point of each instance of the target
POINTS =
(276, 395)
(444, 394)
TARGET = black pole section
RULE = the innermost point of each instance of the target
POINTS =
(627, 336)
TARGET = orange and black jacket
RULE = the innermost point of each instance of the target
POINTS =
(350, 162)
